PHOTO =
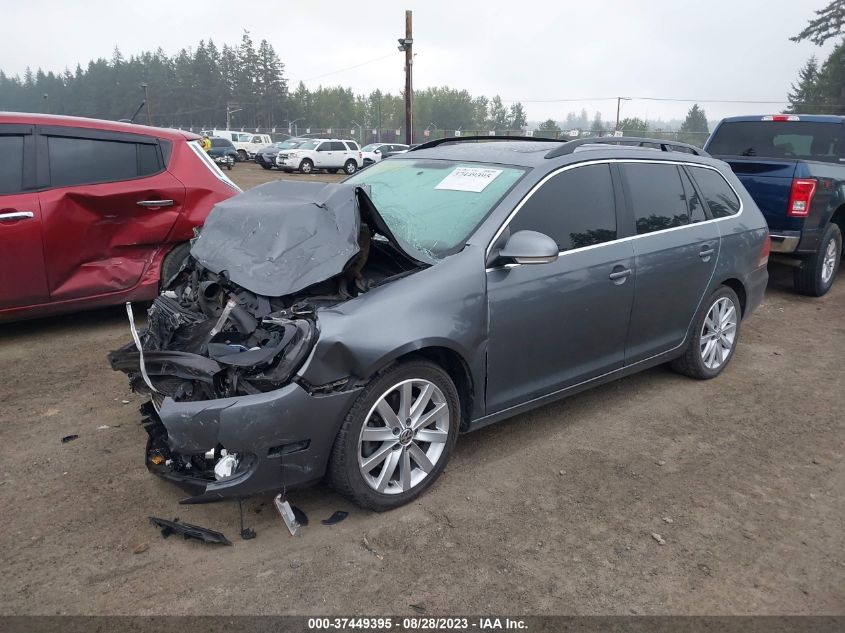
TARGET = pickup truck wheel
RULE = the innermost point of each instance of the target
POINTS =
(350, 167)
(715, 331)
(242, 155)
(173, 263)
(397, 437)
(306, 166)
(815, 276)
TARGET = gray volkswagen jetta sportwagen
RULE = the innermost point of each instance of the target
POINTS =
(352, 331)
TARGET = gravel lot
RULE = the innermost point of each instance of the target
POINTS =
(550, 512)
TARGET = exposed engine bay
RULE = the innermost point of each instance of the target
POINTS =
(215, 332)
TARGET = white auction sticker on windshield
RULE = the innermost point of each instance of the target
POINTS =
(469, 179)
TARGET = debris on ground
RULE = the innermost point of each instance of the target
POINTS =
(103, 427)
(419, 608)
(370, 549)
(295, 564)
(247, 534)
(337, 517)
(189, 531)
(287, 514)
(661, 462)
(668, 520)
(660, 540)
(140, 548)
(124, 401)
(301, 517)
(69, 438)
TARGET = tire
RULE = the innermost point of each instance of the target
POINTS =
(407, 478)
(242, 155)
(695, 360)
(333, 170)
(350, 167)
(229, 166)
(816, 274)
(173, 262)
(265, 166)
(306, 166)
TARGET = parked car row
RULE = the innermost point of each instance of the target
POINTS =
(330, 154)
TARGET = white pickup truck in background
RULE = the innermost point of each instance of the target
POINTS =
(246, 143)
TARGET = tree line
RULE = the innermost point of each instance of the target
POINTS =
(203, 86)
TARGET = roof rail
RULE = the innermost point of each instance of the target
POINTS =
(475, 139)
(663, 144)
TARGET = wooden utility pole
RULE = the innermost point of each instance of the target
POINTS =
(409, 82)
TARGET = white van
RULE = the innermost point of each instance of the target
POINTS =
(246, 143)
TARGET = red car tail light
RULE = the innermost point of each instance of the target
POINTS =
(781, 117)
(800, 197)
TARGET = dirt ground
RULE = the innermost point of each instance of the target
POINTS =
(551, 512)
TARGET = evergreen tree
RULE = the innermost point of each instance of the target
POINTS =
(516, 118)
(805, 97)
(598, 124)
(830, 22)
(694, 129)
(548, 128)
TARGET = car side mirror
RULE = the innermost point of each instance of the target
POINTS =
(530, 247)
(378, 151)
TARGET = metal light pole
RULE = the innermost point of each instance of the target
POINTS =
(147, 103)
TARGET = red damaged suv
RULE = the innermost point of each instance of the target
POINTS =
(94, 213)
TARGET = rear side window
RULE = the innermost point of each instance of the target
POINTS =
(337, 146)
(657, 196)
(11, 175)
(79, 161)
(799, 140)
(576, 208)
(716, 191)
(352, 145)
(694, 204)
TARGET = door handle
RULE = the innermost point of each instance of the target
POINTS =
(619, 274)
(706, 252)
(155, 203)
(17, 215)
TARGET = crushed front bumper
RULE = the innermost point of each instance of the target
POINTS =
(283, 439)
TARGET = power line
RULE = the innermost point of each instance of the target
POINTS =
(334, 72)
(739, 101)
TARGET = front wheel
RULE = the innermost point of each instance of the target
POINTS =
(266, 166)
(397, 437)
(715, 332)
(350, 167)
(242, 155)
(816, 275)
(306, 166)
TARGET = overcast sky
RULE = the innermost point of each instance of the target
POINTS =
(532, 51)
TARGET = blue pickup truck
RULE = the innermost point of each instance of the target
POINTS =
(794, 168)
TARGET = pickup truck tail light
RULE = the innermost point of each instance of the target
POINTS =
(800, 197)
(781, 117)
(764, 252)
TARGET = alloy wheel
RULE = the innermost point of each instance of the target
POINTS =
(403, 436)
(718, 333)
(829, 262)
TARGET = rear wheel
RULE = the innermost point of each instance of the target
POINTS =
(715, 332)
(397, 437)
(350, 167)
(816, 275)
(265, 166)
(306, 166)
(242, 155)
(173, 262)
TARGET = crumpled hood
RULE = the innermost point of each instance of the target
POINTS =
(281, 237)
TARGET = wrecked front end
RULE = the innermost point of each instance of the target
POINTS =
(228, 416)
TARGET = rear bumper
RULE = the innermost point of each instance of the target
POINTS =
(755, 289)
(785, 241)
(283, 438)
